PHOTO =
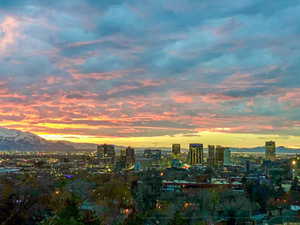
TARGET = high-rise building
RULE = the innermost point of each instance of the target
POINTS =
(130, 156)
(106, 152)
(270, 150)
(123, 153)
(223, 155)
(211, 160)
(176, 149)
(121, 164)
(220, 155)
(227, 157)
(127, 158)
(195, 155)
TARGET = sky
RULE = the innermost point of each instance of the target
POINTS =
(152, 72)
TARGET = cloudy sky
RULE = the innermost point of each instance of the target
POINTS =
(152, 72)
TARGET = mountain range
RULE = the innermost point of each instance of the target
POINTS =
(15, 140)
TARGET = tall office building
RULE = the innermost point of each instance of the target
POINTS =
(211, 160)
(227, 157)
(121, 164)
(176, 149)
(270, 150)
(106, 152)
(123, 155)
(195, 155)
(127, 158)
(130, 156)
(220, 155)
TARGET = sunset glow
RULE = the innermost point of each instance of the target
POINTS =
(151, 74)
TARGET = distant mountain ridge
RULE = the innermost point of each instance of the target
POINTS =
(15, 140)
(261, 149)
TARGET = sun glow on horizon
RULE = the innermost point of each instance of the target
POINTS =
(206, 137)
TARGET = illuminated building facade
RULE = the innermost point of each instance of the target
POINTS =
(270, 150)
(106, 152)
(220, 155)
(295, 167)
(211, 160)
(195, 155)
(127, 158)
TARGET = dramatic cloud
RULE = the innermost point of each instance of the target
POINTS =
(148, 69)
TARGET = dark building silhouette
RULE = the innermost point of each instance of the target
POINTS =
(106, 152)
(211, 160)
(129, 156)
(176, 149)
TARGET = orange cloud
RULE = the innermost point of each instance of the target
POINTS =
(102, 76)
(181, 98)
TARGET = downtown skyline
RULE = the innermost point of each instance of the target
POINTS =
(152, 73)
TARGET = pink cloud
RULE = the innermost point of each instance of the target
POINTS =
(181, 98)
(9, 30)
(292, 97)
(217, 98)
(103, 76)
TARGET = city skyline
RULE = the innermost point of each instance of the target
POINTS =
(150, 74)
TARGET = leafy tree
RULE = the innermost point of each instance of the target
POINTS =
(70, 214)
(234, 206)
(23, 199)
(260, 193)
(178, 219)
(147, 191)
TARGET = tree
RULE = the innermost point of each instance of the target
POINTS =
(23, 199)
(260, 193)
(114, 196)
(234, 206)
(178, 219)
(147, 191)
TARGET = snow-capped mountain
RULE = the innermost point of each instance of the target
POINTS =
(25, 141)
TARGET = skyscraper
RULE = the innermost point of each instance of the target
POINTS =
(127, 158)
(195, 155)
(130, 156)
(270, 150)
(227, 157)
(211, 156)
(176, 149)
(106, 152)
(121, 164)
(220, 155)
